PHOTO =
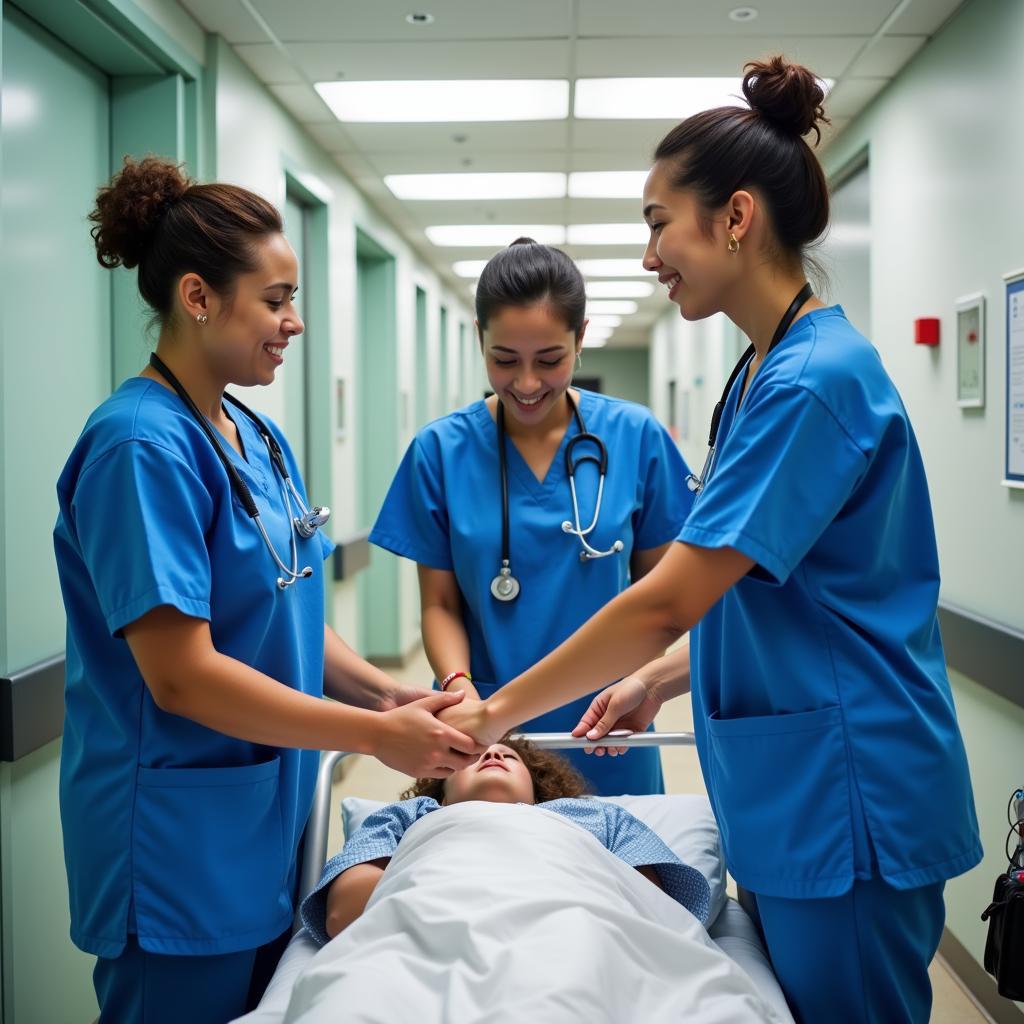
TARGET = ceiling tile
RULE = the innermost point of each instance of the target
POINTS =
(304, 102)
(510, 136)
(227, 18)
(539, 58)
(357, 21)
(635, 140)
(716, 55)
(617, 211)
(711, 17)
(926, 17)
(605, 159)
(467, 158)
(887, 56)
(510, 211)
(333, 137)
(270, 65)
(852, 95)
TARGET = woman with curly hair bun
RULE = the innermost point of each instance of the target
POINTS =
(196, 658)
(808, 573)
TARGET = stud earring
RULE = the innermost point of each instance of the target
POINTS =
(734, 244)
(201, 318)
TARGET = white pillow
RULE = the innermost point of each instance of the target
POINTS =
(685, 823)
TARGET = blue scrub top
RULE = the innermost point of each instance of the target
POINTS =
(444, 511)
(823, 713)
(174, 831)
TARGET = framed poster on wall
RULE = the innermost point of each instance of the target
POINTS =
(1013, 471)
(970, 351)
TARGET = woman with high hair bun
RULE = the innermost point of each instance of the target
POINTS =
(197, 653)
(480, 500)
(808, 573)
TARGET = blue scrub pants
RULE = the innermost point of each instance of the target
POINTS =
(860, 958)
(150, 988)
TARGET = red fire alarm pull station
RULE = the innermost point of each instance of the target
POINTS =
(926, 330)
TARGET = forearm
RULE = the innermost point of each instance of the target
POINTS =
(224, 694)
(668, 676)
(446, 645)
(350, 678)
(350, 892)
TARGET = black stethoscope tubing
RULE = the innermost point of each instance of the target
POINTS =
(694, 482)
(316, 516)
(505, 587)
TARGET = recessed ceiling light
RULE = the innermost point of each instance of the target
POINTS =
(532, 99)
(502, 185)
(619, 289)
(469, 268)
(609, 234)
(743, 14)
(621, 306)
(607, 184)
(494, 234)
(603, 320)
(422, 18)
(613, 268)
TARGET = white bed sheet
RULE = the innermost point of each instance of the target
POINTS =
(732, 932)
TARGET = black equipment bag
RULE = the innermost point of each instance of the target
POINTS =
(1004, 948)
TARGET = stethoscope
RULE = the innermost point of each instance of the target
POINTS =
(504, 586)
(305, 524)
(696, 483)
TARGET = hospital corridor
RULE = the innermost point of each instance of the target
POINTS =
(511, 510)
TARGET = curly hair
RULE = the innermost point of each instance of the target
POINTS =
(553, 776)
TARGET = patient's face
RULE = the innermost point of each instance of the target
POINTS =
(499, 776)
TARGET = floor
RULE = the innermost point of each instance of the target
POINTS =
(365, 777)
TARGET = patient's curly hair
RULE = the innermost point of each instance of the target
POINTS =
(553, 776)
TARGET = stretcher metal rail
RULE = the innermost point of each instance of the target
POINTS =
(314, 853)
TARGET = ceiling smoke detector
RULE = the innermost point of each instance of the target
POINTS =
(422, 18)
(743, 14)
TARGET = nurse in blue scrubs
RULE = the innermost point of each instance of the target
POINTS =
(480, 499)
(196, 659)
(807, 571)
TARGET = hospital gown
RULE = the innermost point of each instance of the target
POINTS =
(614, 827)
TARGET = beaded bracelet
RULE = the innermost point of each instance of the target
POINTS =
(452, 676)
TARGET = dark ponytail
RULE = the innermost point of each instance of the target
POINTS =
(717, 152)
(151, 216)
(526, 273)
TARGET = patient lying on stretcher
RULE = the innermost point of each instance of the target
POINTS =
(512, 772)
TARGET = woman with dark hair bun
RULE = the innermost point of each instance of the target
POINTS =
(196, 657)
(808, 573)
(484, 503)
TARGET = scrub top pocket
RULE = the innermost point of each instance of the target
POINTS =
(781, 787)
(208, 859)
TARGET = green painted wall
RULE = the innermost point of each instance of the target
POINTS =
(624, 372)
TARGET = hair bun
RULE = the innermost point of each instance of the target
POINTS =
(129, 209)
(522, 240)
(789, 95)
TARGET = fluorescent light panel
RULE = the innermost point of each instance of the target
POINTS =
(607, 185)
(469, 268)
(592, 342)
(501, 185)
(613, 268)
(622, 307)
(605, 320)
(494, 234)
(619, 289)
(668, 98)
(635, 233)
(445, 101)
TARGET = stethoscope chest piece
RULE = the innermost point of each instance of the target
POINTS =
(504, 586)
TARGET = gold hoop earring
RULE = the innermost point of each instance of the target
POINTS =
(734, 244)
(201, 318)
